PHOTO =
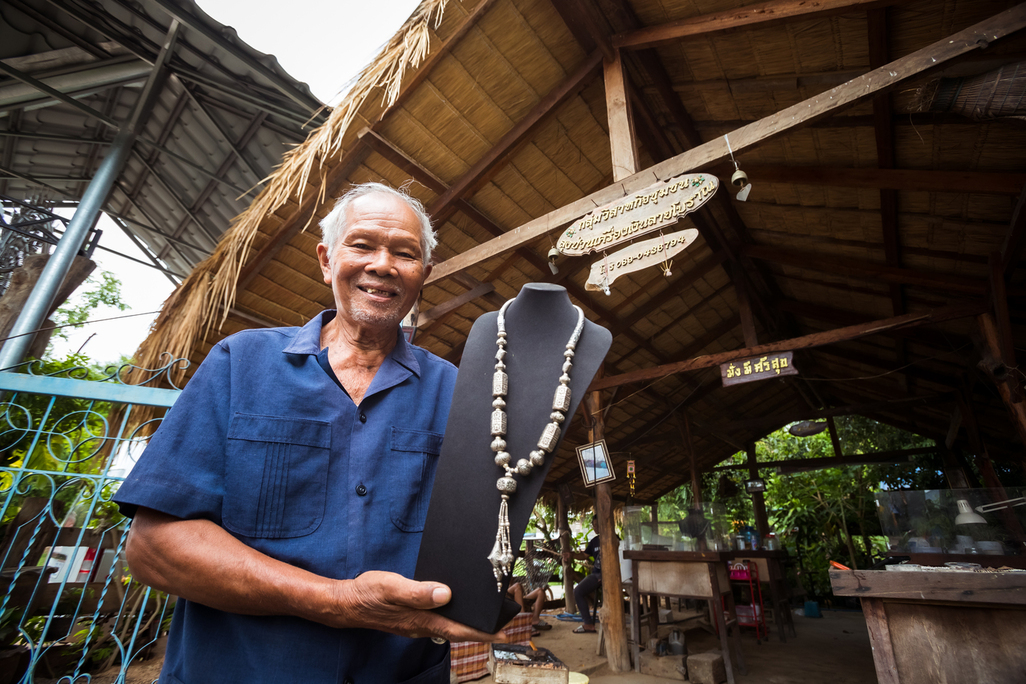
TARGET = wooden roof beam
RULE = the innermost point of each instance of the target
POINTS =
(807, 111)
(914, 180)
(493, 160)
(820, 339)
(762, 13)
(867, 270)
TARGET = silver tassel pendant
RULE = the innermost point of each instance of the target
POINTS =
(501, 556)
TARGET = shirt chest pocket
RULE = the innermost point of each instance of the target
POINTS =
(276, 476)
(414, 457)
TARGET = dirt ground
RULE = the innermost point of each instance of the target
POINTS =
(834, 648)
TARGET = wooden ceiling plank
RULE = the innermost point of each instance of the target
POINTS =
(1015, 241)
(867, 270)
(955, 311)
(807, 111)
(762, 13)
(491, 161)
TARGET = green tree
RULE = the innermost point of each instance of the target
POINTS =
(106, 291)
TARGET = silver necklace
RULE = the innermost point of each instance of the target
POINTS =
(501, 556)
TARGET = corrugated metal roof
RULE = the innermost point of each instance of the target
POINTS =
(221, 122)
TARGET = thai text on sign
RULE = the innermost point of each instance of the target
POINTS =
(757, 368)
(638, 256)
(642, 212)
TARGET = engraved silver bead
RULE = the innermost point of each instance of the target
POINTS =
(500, 383)
(502, 458)
(523, 466)
(498, 422)
(557, 417)
(506, 484)
(549, 437)
(561, 399)
(537, 458)
(498, 444)
(499, 403)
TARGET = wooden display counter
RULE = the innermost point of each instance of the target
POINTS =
(686, 574)
(936, 626)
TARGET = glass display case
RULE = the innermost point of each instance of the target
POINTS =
(954, 521)
(711, 524)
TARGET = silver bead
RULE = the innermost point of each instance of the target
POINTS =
(506, 484)
(537, 458)
(498, 422)
(569, 353)
(523, 466)
(557, 417)
(500, 383)
(549, 438)
(502, 337)
(564, 379)
(502, 458)
(500, 355)
(567, 365)
(499, 403)
(498, 444)
(561, 399)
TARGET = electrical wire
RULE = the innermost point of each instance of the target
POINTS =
(71, 325)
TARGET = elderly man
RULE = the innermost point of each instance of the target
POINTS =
(284, 496)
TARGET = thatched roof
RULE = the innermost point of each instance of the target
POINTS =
(497, 110)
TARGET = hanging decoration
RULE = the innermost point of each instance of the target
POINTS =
(631, 477)
(645, 211)
(637, 256)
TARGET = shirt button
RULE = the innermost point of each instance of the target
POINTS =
(363, 417)
(361, 490)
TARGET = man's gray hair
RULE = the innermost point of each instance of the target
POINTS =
(333, 226)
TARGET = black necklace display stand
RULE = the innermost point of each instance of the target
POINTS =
(463, 515)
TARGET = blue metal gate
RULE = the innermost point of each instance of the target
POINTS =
(68, 604)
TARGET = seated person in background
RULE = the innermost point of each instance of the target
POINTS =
(589, 584)
(516, 592)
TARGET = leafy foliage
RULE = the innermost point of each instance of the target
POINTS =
(826, 514)
(78, 308)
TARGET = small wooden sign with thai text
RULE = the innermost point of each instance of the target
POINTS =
(655, 207)
(757, 368)
(637, 256)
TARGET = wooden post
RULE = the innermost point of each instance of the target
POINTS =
(834, 439)
(623, 149)
(758, 500)
(569, 603)
(612, 592)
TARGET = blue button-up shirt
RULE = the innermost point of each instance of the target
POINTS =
(264, 443)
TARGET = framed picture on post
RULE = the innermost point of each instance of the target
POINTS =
(596, 466)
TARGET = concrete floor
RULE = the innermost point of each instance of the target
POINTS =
(834, 649)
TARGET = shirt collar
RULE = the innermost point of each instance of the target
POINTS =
(308, 341)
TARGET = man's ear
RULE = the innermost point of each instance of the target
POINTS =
(322, 259)
(427, 270)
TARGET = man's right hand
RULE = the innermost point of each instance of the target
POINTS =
(392, 603)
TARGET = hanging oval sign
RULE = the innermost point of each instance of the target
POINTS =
(655, 207)
(638, 256)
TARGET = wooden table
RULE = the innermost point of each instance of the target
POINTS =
(771, 571)
(934, 626)
(686, 574)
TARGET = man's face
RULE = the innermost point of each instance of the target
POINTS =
(377, 268)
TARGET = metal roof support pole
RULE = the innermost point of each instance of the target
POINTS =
(39, 301)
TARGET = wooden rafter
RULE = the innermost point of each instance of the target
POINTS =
(805, 342)
(714, 151)
(917, 180)
(762, 13)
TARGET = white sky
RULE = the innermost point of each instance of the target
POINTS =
(323, 43)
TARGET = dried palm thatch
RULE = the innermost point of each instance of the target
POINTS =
(205, 297)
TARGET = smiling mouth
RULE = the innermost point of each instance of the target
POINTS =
(376, 291)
